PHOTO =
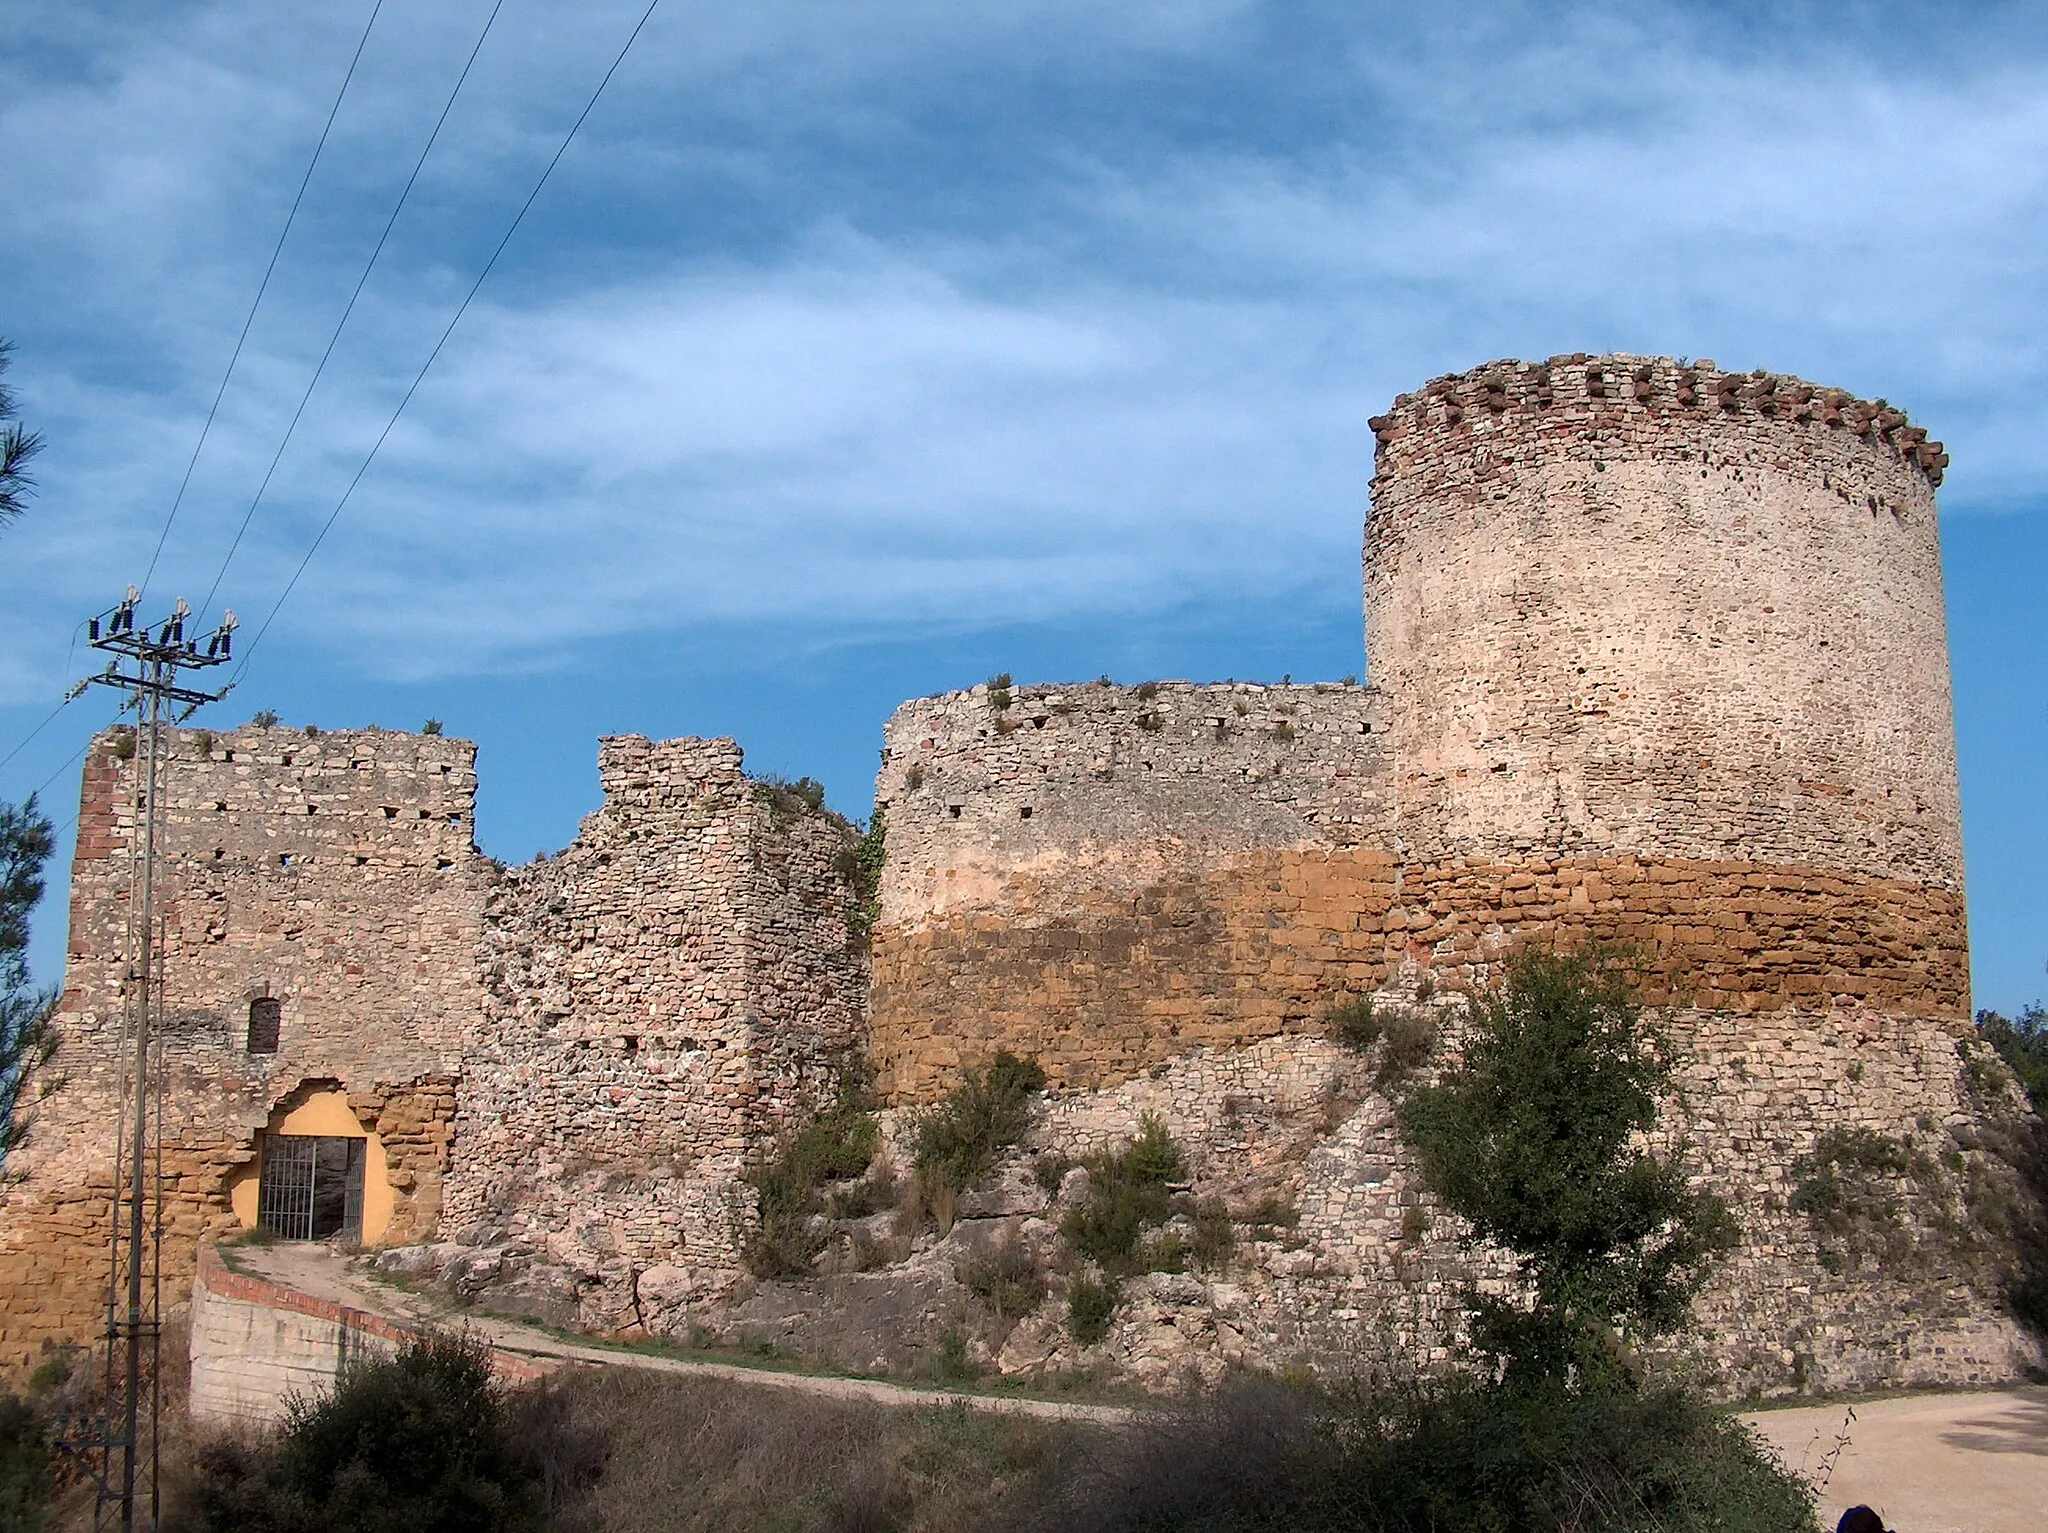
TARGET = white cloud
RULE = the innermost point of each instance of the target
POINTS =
(928, 313)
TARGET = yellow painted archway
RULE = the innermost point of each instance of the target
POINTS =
(327, 1115)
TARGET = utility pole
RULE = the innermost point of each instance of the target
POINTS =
(154, 657)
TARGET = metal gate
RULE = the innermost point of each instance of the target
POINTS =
(311, 1188)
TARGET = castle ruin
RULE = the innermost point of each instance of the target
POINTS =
(1656, 654)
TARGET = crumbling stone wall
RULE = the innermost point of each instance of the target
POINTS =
(663, 995)
(1658, 657)
(335, 874)
(1089, 874)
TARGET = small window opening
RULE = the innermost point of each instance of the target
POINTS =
(1024, 812)
(266, 1018)
(220, 806)
(390, 813)
(632, 1044)
(312, 809)
(426, 814)
(284, 859)
(953, 810)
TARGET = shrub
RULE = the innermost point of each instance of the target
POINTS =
(999, 696)
(1091, 1305)
(1215, 1236)
(202, 741)
(1128, 1194)
(1151, 722)
(1405, 1038)
(958, 1142)
(1050, 1172)
(1850, 1187)
(1007, 1280)
(24, 1467)
(416, 1440)
(1456, 1458)
(1354, 1022)
(1405, 1046)
(835, 1146)
(2023, 1044)
(263, 718)
(1532, 1138)
(431, 727)
(1147, 690)
(788, 797)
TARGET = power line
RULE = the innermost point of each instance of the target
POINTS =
(261, 288)
(339, 324)
(250, 649)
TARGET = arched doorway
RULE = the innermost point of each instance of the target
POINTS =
(317, 1174)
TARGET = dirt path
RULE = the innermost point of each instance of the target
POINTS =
(1969, 1463)
(324, 1273)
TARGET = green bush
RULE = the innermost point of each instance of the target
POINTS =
(1850, 1187)
(862, 868)
(2023, 1044)
(1007, 1280)
(1354, 1022)
(999, 697)
(1215, 1236)
(1405, 1037)
(1091, 1305)
(789, 1181)
(24, 1467)
(1455, 1458)
(416, 1440)
(1533, 1139)
(1128, 1194)
(958, 1142)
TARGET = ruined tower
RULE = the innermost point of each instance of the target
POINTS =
(1621, 606)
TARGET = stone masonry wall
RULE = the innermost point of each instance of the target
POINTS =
(1082, 875)
(664, 994)
(1657, 656)
(1363, 1271)
(1621, 604)
(335, 874)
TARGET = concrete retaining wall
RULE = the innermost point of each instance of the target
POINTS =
(255, 1343)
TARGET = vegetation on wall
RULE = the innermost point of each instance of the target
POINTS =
(1130, 1195)
(2022, 1042)
(1405, 1037)
(1852, 1188)
(958, 1142)
(794, 1178)
(1535, 1139)
(861, 866)
(2018, 1209)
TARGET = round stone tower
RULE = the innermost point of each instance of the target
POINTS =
(1628, 607)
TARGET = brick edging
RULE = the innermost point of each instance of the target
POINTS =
(216, 1277)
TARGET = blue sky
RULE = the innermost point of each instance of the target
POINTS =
(858, 351)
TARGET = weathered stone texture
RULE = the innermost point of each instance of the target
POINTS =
(1657, 656)
(335, 874)
(664, 994)
(1369, 1271)
(1619, 604)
